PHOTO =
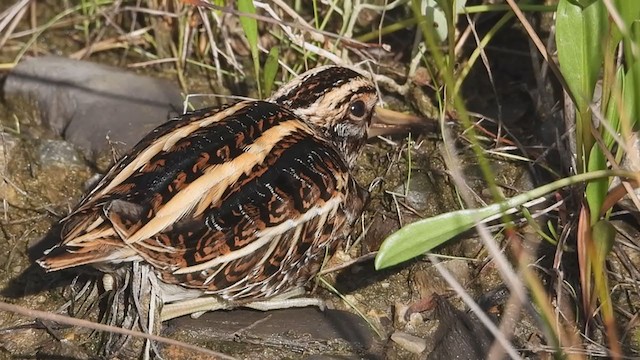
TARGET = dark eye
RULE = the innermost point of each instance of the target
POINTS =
(358, 108)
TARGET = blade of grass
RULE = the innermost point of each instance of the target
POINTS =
(596, 190)
(51, 22)
(270, 70)
(10, 18)
(504, 7)
(603, 237)
(612, 111)
(250, 27)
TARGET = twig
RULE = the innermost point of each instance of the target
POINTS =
(102, 327)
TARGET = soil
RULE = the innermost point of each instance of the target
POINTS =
(43, 177)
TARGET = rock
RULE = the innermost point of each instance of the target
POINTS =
(58, 153)
(428, 280)
(93, 106)
(412, 344)
(289, 331)
(421, 191)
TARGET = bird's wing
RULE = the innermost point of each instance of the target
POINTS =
(278, 217)
(186, 174)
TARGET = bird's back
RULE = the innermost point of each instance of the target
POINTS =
(242, 201)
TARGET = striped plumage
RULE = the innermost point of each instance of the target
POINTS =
(242, 201)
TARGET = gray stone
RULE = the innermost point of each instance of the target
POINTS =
(93, 106)
(58, 153)
(420, 194)
(304, 329)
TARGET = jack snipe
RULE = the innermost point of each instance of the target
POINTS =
(239, 203)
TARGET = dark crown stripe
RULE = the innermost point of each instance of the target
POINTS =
(310, 89)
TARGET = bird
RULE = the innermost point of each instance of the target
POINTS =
(231, 206)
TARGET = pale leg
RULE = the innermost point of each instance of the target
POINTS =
(285, 301)
(197, 307)
(193, 307)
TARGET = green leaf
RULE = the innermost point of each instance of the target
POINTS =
(623, 106)
(250, 28)
(421, 236)
(604, 236)
(579, 38)
(631, 94)
(629, 11)
(438, 12)
(424, 235)
(596, 190)
(582, 3)
(270, 70)
(632, 41)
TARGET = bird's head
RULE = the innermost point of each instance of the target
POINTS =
(337, 101)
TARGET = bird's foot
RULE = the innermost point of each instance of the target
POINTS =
(197, 307)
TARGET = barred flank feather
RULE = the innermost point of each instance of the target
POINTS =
(241, 201)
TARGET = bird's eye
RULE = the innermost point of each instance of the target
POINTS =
(358, 108)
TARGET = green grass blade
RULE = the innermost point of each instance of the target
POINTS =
(270, 70)
(629, 12)
(604, 236)
(612, 115)
(596, 190)
(250, 28)
(631, 94)
(419, 237)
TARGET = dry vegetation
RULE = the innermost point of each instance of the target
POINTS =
(491, 84)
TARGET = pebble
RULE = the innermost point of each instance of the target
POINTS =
(420, 191)
(400, 309)
(58, 153)
(350, 299)
(412, 344)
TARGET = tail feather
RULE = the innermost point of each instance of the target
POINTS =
(104, 251)
(89, 236)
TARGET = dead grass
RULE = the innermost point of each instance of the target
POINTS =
(205, 41)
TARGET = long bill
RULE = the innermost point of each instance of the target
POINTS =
(388, 122)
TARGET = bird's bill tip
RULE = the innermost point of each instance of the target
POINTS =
(388, 122)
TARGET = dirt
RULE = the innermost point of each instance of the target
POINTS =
(36, 192)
